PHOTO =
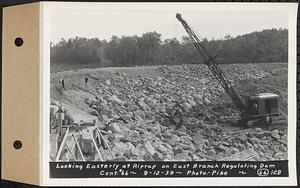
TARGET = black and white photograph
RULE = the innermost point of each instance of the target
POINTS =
(163, 82)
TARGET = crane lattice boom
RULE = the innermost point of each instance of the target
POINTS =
(210, 61)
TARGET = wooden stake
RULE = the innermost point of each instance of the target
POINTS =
(60, 118)
(79, 148)
(89, 131)
(62, 145)
(70, 152)
(99, 131)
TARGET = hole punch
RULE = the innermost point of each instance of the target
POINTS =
(17, 144)
(19, 41)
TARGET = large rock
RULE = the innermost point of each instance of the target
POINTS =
(121, 148)
(119, 159)
(223, 148)
(154, 128)
(211, 152)
(275, 134)
(107, 112)
(134, 137)
(162, 147)
(141, 114)
(149, 116)
(148, 157)
(157, 156)
(186, 139)
(171, 142)
(177, 149)
(115, 98)
(115, 128)
(139, 150)
(144, 105)
(182, 157)
(108, 82)
(148, 146)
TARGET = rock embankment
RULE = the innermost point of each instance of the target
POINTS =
(178, 115)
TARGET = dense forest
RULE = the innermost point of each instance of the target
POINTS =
(264, 46)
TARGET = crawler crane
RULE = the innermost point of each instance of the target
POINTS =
(256, 109)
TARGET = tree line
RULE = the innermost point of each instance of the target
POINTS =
(149, 49)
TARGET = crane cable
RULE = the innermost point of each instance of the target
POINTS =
(175, 49)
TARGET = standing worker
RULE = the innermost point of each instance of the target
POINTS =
(63, 83)
(53, 110)
(86, 80)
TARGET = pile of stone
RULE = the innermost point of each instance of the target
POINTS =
(137, 115)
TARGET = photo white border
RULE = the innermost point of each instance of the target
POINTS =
(47, 7)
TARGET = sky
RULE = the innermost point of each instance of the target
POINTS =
(105, 21)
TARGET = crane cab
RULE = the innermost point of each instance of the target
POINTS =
(262, 105)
